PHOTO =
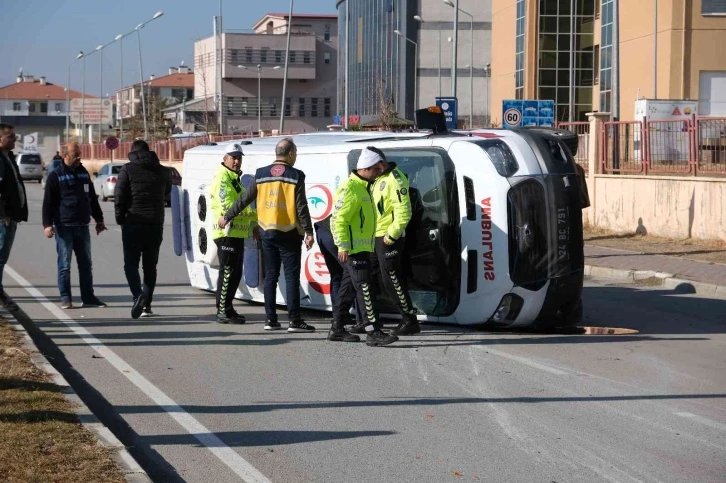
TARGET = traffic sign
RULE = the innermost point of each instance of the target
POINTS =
(450, 107)
(518, 113)
(111, 143)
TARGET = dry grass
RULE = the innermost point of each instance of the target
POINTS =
(713, 251)
(41, 439)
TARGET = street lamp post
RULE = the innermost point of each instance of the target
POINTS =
(415, 77)
(287, 62)
(141, 70)
(420, 20)
(260, 70)
(455, 60)
(120, 112)
(100, 98)
(68, 95)
(471, 53)
(486, 79)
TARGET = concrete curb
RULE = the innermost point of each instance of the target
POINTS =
(129, 466)
(666, 280)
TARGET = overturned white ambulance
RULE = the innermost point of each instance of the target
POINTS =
(496, 235)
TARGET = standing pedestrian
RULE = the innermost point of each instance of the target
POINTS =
(68, 205)
(284, 220)
(393, 213)
(139, 198)
(230, 237)
(335, 268)
(354, 227)
(13, 204)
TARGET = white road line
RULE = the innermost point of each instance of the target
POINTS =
(227, 455)
(524, 360)
(702, 420)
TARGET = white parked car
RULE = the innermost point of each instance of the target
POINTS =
(105, 180)
(30, 166)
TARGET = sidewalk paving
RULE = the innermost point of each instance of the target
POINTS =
(676, 267)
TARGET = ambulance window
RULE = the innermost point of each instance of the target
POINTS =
(502, 157)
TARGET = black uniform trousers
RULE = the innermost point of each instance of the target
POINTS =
(388, 260)
(356, 285)
(230, 252)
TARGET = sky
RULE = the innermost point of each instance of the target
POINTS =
(44, 36)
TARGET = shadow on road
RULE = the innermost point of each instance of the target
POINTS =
(259, 438)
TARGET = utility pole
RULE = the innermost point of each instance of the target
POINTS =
(287, 62)
(455, 61)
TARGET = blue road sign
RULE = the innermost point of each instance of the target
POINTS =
(519, 113)
(449, 106)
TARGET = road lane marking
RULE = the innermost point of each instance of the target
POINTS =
(216, 446)
(524, 360)
(702, 420)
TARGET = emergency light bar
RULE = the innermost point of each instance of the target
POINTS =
(432, 118)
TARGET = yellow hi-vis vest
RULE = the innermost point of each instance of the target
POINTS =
(223, 192)
(276, 208)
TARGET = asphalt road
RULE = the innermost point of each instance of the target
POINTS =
(203, 402)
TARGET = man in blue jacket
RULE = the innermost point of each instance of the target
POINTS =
(68, 205)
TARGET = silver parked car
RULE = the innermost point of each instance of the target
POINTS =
(30, 166)
(105, 182)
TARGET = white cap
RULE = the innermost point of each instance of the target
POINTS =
(368, 158)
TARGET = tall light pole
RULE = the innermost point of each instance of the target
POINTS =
(83, 100)
(347, 50)
(260, 70)
(141, 70)
(287, 61)
(454, 62)
(415, 69)
(420, 20)
(100, 98)
(471, 53)
(120, 112)
(68, 95)
(488, 76)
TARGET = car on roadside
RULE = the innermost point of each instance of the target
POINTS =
(176, 180)
(52, 166)
(30, 166)
(105, 180)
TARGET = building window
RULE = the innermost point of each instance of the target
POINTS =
(245, 106)
(178, 94)
(288, 107)
(263, 56)
(566, 56)
(278, 57)
(519, 51)
(58, 107)
(306, 57)
(248, 55)
(606, 56)
(190, 93)
(326, 34)
(301, 107)
(16, 106)
(713, 7)
(292, 56)
(326, 107)
(327, 57)
(314, 107)
(31, 107)
(273, 107)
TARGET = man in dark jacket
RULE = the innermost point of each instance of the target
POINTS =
(13, 204)
(140, 194)
(68, 205)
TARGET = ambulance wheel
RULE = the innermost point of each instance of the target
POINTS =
(573, 317)
(568, 316)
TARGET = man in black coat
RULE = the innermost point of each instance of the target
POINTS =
(141, 190)
(68, 205)
(13, 204)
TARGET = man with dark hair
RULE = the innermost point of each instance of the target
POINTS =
(139, 199)
(284, 219)
(68, 205)
(13, 204)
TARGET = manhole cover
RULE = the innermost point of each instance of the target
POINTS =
(596, 331)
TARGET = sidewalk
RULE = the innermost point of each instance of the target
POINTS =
(706, 278)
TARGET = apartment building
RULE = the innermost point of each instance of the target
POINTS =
(565, 50)
(175, 87)
(254, 60)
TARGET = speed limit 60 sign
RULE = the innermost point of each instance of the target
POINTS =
(521, 113)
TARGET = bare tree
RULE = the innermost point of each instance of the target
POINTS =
(201, 71)
(386, 110)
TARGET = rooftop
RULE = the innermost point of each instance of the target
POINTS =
(37, 91)
(172, 80)
(284, 16)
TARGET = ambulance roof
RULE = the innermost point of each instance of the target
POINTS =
(332, 141)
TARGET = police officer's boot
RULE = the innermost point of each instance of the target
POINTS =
(337, 333)
(408, 326)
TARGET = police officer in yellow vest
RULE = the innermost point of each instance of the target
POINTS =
(393, 213)
(284, 219)
(224, 191)
(353, 224)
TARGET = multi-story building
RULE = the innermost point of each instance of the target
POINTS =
(401, 52)
(36, 105)
(175, 87)
(545, 52)
(254, 61)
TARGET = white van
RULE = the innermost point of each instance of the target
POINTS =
(30, 166)
(496, 235)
